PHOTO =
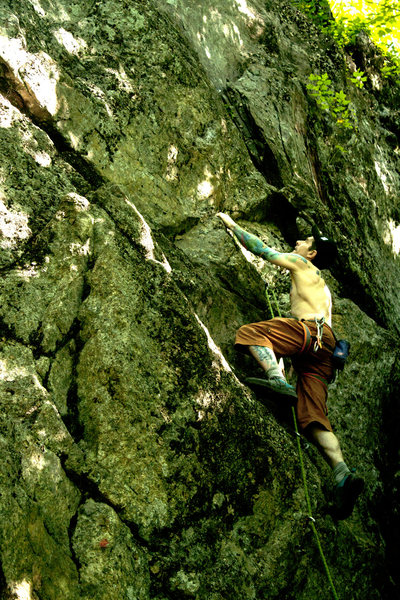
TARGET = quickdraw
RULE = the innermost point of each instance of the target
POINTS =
(320, 332)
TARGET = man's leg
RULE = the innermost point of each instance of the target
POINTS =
(267, 360)
(327, 443)
(348, 487)
(262, 340)
(276, 380)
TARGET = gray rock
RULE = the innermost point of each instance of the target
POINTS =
(134, 464)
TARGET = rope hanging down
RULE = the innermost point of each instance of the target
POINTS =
(310, 517)
(303, 471)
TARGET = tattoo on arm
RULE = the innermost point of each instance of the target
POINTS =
(257, 247)
(295, 257)
(254, 244)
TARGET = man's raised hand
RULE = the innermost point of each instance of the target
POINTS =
(226, 219)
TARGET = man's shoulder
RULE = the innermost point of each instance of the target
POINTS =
(306, 269)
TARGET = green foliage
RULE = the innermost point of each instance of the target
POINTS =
(317, 11)
(358, 79)
(390, 69)
(321, 90)
(379, 19)
(335, 103)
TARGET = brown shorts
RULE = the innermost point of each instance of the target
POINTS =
(286, 337)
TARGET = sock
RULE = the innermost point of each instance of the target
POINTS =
(340, 472)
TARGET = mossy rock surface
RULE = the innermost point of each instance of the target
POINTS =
(134, 463)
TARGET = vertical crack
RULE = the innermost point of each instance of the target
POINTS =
(260, 153)
(71, 530)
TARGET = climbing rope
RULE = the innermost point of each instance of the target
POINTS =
(303, 471)
(308, 502)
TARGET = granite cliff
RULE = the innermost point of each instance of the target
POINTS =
(134, 464)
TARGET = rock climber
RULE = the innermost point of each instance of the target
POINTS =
(308, 339)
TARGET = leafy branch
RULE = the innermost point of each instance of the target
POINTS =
(335, 103)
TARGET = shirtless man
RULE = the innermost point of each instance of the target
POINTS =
(308, 338)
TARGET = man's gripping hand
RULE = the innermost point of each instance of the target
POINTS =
(227, 221)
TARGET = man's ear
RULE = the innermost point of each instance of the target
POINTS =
(311, 254)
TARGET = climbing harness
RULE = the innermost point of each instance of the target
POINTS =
(306, 346)
(307, 338)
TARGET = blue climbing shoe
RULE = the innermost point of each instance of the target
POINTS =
(274, 384)
(345, 496)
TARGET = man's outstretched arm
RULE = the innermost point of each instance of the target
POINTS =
(257, 246)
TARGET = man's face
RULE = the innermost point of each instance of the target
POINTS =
(303, 247)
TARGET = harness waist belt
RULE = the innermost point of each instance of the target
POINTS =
(308, 338)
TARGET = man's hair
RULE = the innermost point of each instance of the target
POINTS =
(326, 250)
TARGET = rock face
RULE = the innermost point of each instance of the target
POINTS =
(134, 464)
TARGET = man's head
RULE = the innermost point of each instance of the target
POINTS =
(318, 249)
(306, 248)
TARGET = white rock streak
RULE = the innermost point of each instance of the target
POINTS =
(146, 240)
(214, 348)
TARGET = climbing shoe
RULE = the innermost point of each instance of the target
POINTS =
(345, 496)
(274, 384)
